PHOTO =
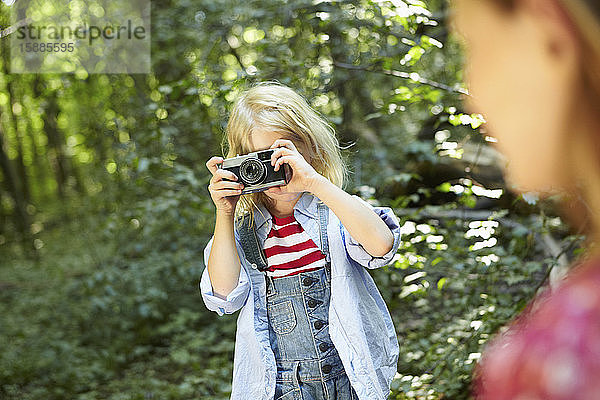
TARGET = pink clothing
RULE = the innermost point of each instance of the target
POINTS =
(551, 352)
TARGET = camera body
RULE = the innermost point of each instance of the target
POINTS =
(255, 171)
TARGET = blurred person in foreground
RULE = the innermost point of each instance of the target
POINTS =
(533, 71)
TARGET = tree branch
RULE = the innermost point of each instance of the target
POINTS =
(405, 75)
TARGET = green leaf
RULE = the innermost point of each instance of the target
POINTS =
(440, 283)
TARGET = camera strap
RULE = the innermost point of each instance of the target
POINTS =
(253, 250)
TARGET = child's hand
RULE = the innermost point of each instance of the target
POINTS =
(304, 176)
(224, 193)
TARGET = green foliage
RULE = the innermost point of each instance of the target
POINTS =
(109, 327)
(457, 279)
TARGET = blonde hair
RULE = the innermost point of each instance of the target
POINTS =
(277, 108)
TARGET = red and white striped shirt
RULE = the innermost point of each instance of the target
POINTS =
(290, 250)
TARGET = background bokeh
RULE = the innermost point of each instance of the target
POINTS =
(104, 207)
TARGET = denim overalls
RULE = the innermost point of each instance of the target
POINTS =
(308, 364)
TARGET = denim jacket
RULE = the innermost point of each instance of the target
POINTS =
(360, 325)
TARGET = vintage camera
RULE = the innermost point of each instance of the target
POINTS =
(255, 171)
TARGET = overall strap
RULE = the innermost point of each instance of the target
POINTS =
(249, 239)
(323, 221)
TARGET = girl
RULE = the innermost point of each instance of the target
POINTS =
(544, 108)
(312, 325)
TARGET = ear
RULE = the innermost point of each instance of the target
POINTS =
(561, 34)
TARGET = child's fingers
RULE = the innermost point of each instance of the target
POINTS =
(227, 193)
(223, 174)
(222, 185)
(284, 143)
(211, 164)
(279, 153)
(224, 189)
(283, 159)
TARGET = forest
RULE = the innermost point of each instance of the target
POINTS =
(105, 211)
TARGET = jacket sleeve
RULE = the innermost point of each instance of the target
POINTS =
(236, 298)
(357, 252)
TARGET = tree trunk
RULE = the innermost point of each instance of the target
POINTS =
(22, 173)
(55, 142)
(23, 182)
(42, 174)
(79, 181)
(36, 171)
(20, 216)
(3, 219)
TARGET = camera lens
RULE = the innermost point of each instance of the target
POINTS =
(252, 171)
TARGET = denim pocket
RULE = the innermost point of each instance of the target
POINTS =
(282, 317)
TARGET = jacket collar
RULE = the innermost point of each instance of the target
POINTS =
(306, 204)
